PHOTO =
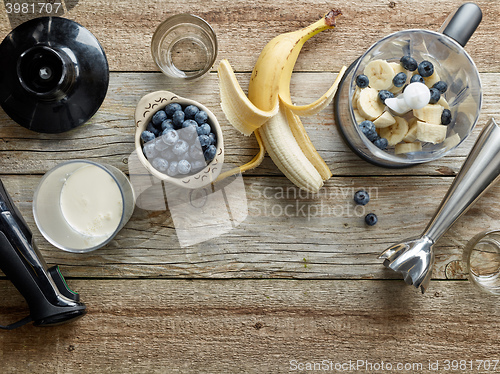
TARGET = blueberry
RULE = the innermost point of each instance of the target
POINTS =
(417, 78)
(160, 145)
(361, 197)
(147, 136)
(204, 140)
(189, 123)
(195, 152)
(170, 137)
(149, 150)
(435, 96)
(178, 119)
(441, 86)
(425, 69)
(198, 165)
(190, 111)
(172, 170)
(189, 133)
(171, 108)
(371, 219)
(384, 94)
(168, 155)
(167, 125)
(381, 143)
(160, 164)
(151, 128)
(446, 117)
(180, 148)
(212, 138)
(368, 128)
(184, 167)
(204, 129)
(409, 63)
(362, 81)
(159, 117)
(201, 117)
(400, 79)
(210, 153)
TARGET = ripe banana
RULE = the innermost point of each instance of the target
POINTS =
(427, 132)
(380, 74)
(268, 110)
(395, 133)
(369, 106)
(385, 120)
(431, 113)
(407, 147)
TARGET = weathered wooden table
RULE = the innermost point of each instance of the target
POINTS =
(279, 291)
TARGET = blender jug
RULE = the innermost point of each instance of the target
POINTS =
(453, 65)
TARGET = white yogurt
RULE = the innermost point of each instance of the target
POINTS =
(91, 202)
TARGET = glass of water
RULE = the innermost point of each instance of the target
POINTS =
(482, 258)
(184, 46)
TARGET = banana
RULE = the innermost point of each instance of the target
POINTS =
(431, 113)
(268, 111)
(434, 78)
(451, 141)
(369, 105)
(407, 147)
(355, 97)
(380, 74)
(357, 116)
(411, 135)
(428, 132)
(442, 101)
(385, 120)
(395, 133)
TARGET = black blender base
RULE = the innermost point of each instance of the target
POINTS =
(55, 74)
(344, 137)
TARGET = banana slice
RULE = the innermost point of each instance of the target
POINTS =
(355, 97)
(357, 116)
(385, 120)
(407, 147)
(411, 135)
(431, 113)
(434, 78)
(369, 105)
(395, 133)
(380, 74)
(428, 132)
(442, 101)
(397, 68)
(451, 141)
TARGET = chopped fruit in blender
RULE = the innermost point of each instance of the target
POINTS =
(381, 143)
(441, 86)
(399, 80)
(435, 96)
(425, 68)
(362, 81)
(446, 117)
(395, 133)
(409, 63)
(411, 135)
(430, 113)
(432, 80)
(417, 78)
(380, 74)
(369, 105)
(385, 120)
(407, 147)
(361, 197)
(384, 94)
(371, 219)
(428, 132)
(147, 136)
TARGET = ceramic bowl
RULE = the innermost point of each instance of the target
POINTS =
(146, 108)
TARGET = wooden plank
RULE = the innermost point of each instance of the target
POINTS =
(159, 326)
(287, 234)
(109, 136)
(243, 28)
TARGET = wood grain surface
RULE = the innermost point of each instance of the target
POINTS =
(298, 278)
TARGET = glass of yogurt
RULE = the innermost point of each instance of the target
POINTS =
(80, 205)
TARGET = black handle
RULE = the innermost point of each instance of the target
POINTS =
(462, 24)
(24, 266)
